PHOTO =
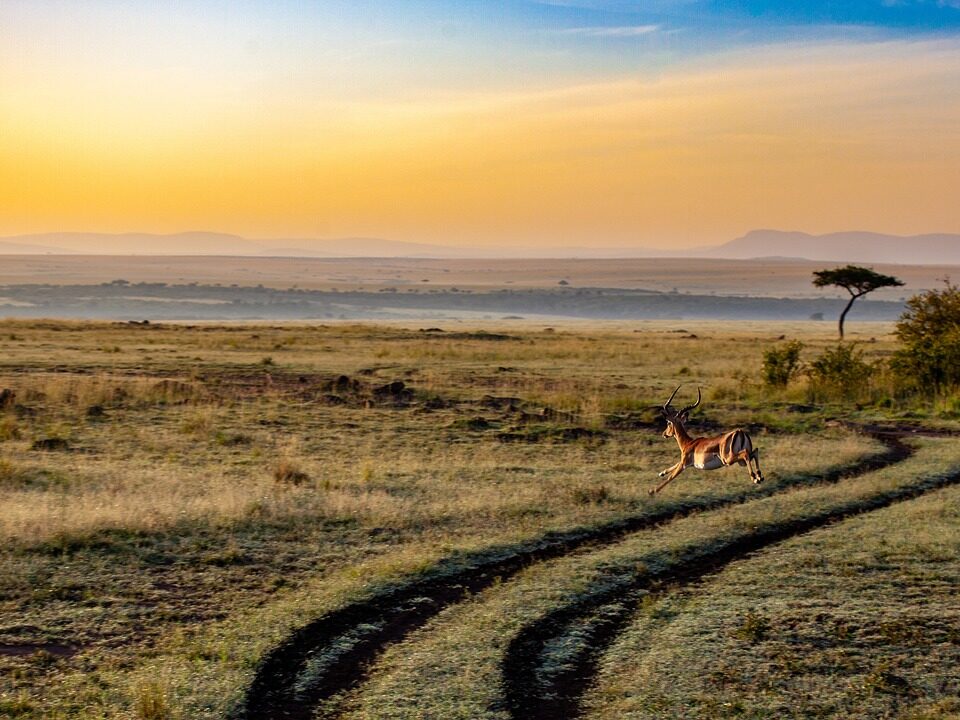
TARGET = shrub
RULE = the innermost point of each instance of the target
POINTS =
(200, 422)
(9, 429)
(840, 372)
(929, 332)
(782, 363)
(50, 444)
(753, 628)
(590, 495)
(287, 472)
(10, 475)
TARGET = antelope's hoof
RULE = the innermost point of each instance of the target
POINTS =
(661, 474)
(757, 480)
(651, 492)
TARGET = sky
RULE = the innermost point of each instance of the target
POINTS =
(605, 123)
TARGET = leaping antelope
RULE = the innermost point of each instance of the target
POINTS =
(707, 453)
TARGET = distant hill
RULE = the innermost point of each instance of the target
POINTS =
(211, 243)
(16, 248)
(859, 247)
(862, 247)
(185, 243)
(358, 247)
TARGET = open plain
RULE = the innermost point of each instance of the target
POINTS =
(407, 289)
(777, 277)
(259, 521)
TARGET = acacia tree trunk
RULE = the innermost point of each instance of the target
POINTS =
(843, 315)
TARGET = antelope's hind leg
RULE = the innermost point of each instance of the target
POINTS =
(743, 458)
(755, 456)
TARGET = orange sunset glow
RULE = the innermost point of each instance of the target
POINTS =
(119, 118)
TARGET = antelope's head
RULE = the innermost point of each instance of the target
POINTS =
(675, 417)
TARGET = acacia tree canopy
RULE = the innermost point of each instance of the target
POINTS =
(856, 280)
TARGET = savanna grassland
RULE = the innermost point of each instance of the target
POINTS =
(253, 289)
(367, 521)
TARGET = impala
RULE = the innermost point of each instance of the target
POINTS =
(706, 453)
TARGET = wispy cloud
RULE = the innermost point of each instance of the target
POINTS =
(619, 31)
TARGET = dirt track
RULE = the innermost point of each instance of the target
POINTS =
(349, 640)
(560, 697)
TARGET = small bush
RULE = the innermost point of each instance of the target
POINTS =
(288, 472)
(840, 372)
(11, 475)
(9, 429)
(590, 495)
(51, 444)
(929, 331)
(17, 706)
(782, 363)
(17, 476)
(225, 556)
(754, 628)
(882, 680)
(199, 423)
(96, 412)
(232, 439)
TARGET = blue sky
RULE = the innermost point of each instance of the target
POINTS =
(534, 40)
(704, 15)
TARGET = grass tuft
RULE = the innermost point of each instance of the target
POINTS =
(753, 628)
(150, 702)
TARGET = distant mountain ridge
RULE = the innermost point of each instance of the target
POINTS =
(852, 246)
(17, 248)
(212, 243)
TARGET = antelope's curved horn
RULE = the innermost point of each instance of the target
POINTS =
(667, 403)
(688, 408)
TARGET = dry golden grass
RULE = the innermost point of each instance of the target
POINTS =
(861, 622)
(205, 502)
(451, 668)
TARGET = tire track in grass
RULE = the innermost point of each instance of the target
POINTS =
(333, 653)
(600, 618)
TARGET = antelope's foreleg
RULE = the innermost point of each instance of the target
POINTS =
(669, 469)
(674, 471)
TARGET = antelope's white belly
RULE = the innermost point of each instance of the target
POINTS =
(711, 462)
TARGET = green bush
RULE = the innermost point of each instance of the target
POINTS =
(782, 363)
(840, 372)
(929, 332)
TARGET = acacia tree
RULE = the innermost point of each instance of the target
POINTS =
(856, 280)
